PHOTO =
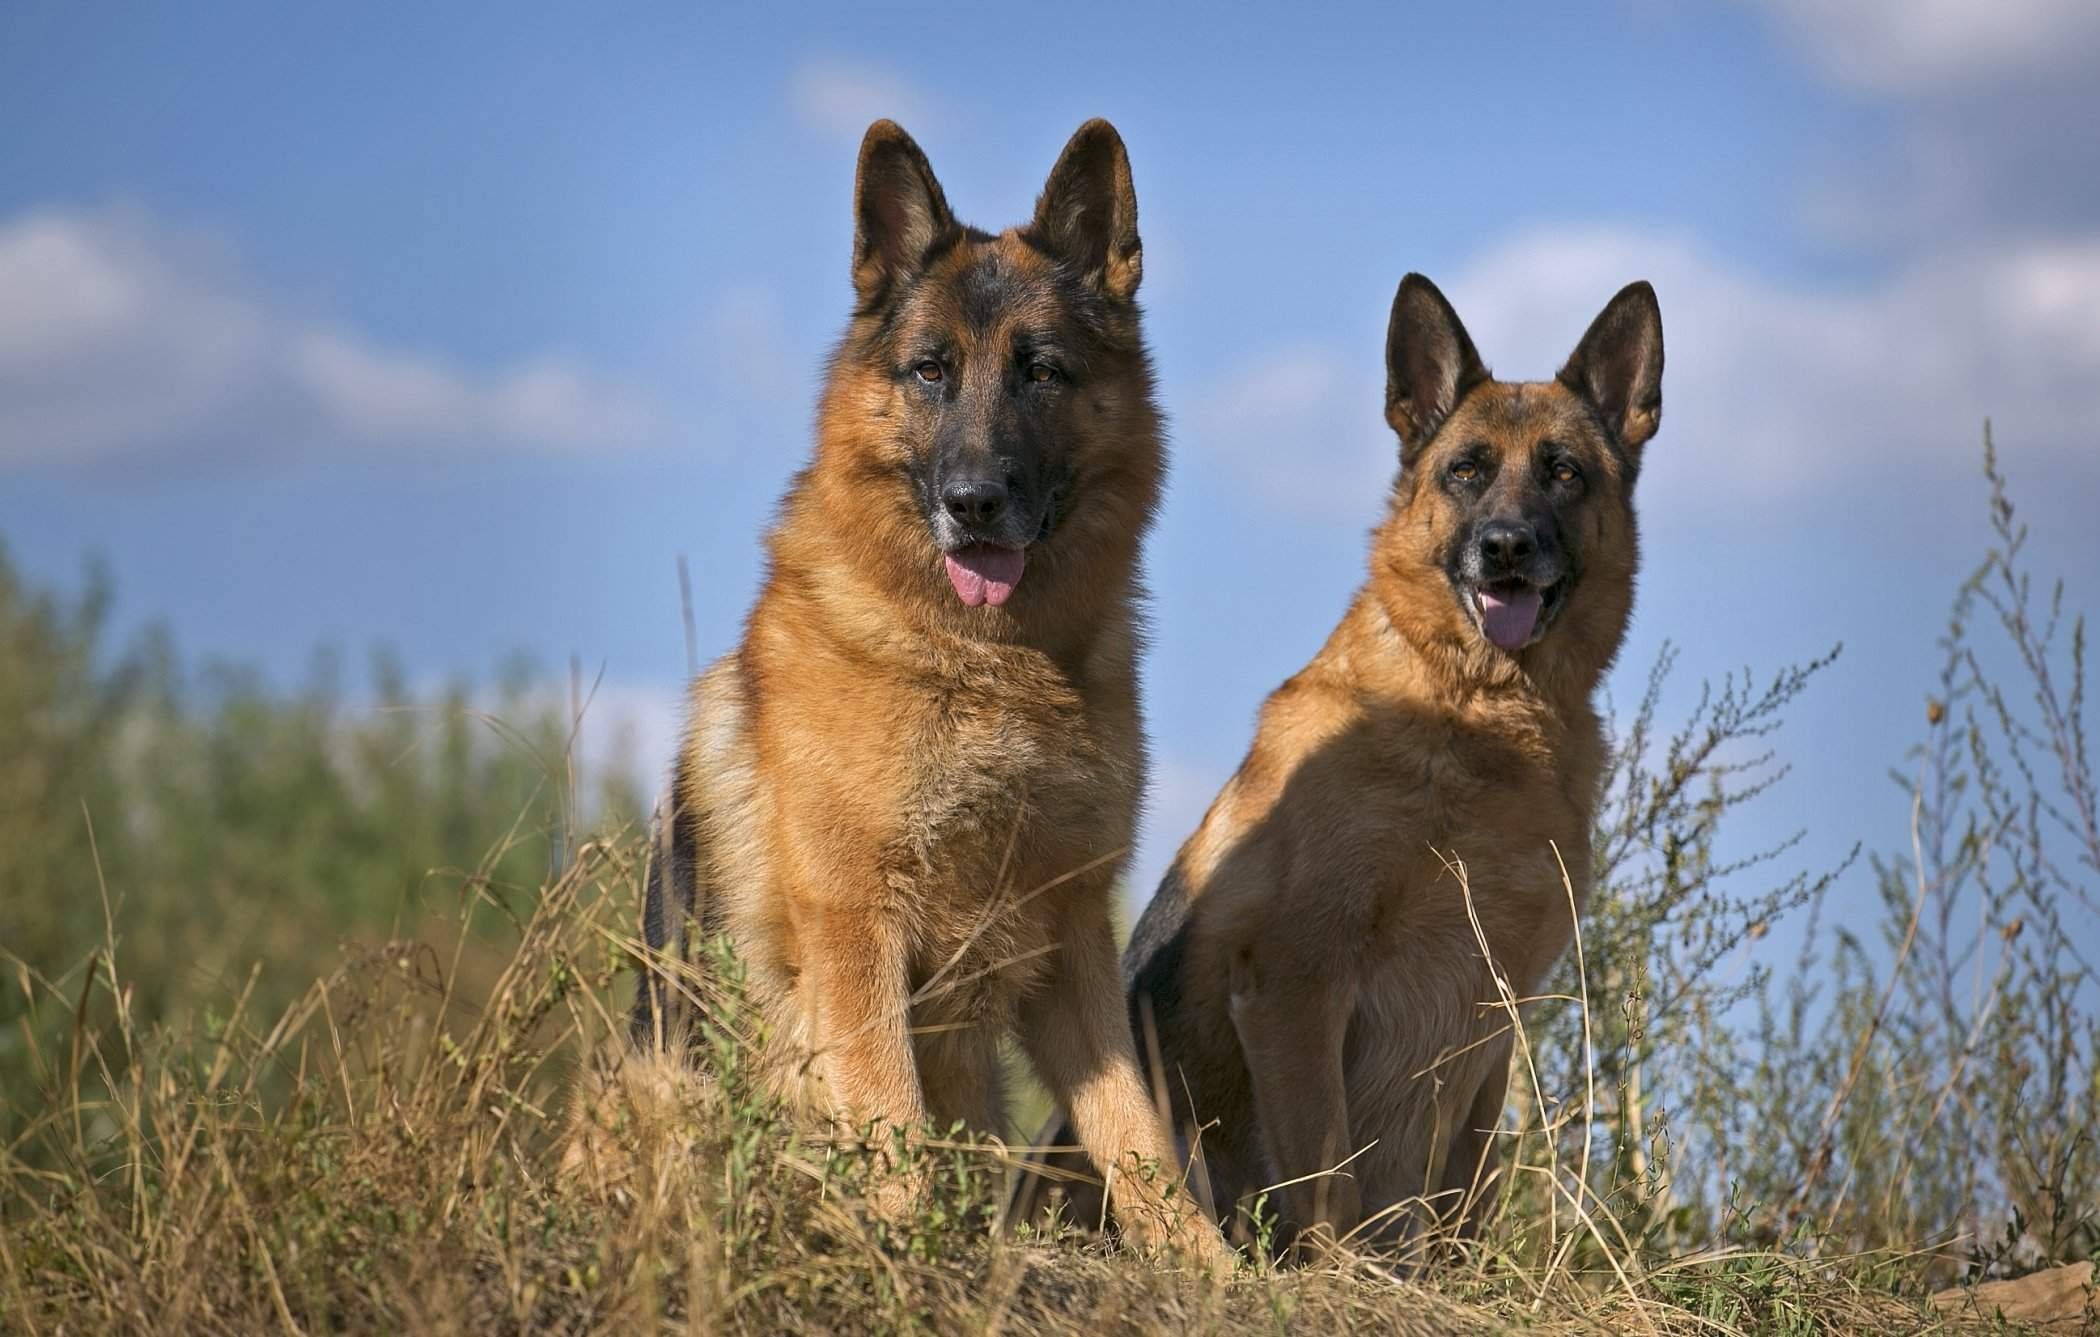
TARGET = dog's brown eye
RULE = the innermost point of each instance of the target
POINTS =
(1565, 473)
(928, 371)
(1465, 471)
(1042, 373)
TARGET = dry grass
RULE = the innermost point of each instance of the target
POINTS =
(386, 1156)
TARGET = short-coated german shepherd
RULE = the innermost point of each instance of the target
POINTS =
(1310, 971)
(906, 797)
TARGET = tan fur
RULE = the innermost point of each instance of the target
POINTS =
(910, 813)
(1309, 968)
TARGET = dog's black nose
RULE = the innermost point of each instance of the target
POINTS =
(974, 501)
(1504, 544)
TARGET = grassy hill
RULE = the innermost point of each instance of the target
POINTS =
(296, 998)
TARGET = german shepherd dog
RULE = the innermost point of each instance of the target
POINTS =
(907, 795)
(1310, 971)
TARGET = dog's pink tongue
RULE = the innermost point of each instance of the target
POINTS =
(1508, 620)
(984, 574)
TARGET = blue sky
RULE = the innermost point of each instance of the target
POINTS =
(450, 328)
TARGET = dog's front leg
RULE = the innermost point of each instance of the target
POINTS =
(1077, 1032)
(1291, 1013)
(855, 970)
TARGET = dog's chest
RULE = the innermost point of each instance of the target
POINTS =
(1011, 797)
(1495, 845)
(997, 766)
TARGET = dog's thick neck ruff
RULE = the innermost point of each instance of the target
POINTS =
(1561, 669)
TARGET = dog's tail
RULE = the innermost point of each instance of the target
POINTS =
(674, 905)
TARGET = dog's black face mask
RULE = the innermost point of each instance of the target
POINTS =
(1518, 481)
(999, 352)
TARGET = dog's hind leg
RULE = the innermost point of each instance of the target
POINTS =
(1291, 1017)
(1472, 1165)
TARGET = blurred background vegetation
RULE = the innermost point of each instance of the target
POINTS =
(223, 824)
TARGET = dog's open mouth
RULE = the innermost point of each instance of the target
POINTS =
(1513, 613)
(985, 573)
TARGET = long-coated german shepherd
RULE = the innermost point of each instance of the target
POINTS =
(1317, 970)
(907, 795)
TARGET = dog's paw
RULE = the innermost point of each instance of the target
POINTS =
(898, 1198)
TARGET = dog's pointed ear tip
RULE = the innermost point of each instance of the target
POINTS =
(1643, 292)
(885, 136)
(1418, 292)
(1097, 130)
(1093, 148)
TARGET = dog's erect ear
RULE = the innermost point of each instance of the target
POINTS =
(898, 209)
(1618, 366)
(1088, 211)
(1430, 363)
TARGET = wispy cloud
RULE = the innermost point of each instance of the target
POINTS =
(1795, 386)
(1777, 387)
(1914, 45)
(839, 98)
(1297, 425)
(121, 337)
(631, 728)
(1988, 107)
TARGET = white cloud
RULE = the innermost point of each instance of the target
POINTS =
(1988, 136)
(1776, 387)
(1298, 424)
(386, 394)
(1918, 45)
(1793, 386)
(835, 97)
(632, 727)
(120, 337)
(1987, 127)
